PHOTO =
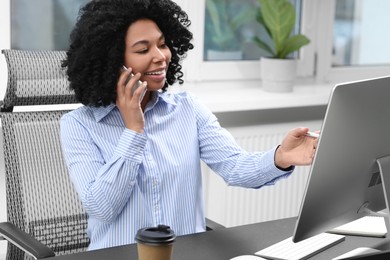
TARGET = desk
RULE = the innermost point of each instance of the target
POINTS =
(227, 243)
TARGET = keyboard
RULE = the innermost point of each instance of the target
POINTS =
(287, 249)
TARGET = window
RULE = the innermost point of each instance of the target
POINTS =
(229, 28)
(358, 35)
(348, 37)
(353, 43)
(243, 63)
(43, 25)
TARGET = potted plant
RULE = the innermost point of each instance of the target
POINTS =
(224, 23)
(278, 71)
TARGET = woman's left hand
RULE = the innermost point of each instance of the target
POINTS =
(296, 149)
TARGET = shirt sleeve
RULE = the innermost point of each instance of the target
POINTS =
(224, 156)
(103, 186)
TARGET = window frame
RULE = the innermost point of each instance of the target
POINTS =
(324, 70)
(314, 59)
(199, 70)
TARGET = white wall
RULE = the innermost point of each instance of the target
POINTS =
(5, 43)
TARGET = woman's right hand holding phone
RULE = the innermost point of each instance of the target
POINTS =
(129, 104)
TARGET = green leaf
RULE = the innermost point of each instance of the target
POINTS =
(214, 15)
(292, 44)
(244, 16)
(224, 40)
(260, 20)
(279, 18)
(263, 45)
(225, 25)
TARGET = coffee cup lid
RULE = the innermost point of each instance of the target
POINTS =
(161, 234)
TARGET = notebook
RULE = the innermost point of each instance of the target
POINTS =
(288, 250)
(357, 252)
(372, 226)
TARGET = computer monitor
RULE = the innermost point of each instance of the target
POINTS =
(345, 176)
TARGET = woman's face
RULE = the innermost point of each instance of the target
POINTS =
(147, 53)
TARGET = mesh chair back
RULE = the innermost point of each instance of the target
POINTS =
(41, 199)
(36, 78)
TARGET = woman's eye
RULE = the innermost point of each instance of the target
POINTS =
(142, 51)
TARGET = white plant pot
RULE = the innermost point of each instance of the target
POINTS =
(278, 75)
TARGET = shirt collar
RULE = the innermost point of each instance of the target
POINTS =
(101, 112)
(156, 97)
(164, 97)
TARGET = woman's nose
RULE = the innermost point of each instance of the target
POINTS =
(158, 55)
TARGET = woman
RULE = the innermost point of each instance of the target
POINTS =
(135, 157)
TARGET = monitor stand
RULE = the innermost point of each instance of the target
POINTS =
(384, 246)
(384, 167)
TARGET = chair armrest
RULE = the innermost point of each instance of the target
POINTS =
(24, 241)
(212, 225)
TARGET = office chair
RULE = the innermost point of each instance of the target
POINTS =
(41, 200)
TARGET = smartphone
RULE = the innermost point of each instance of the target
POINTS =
(137, 84)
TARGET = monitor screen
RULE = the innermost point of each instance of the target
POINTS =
(345, 178)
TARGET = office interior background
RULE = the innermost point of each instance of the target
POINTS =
(348, 41)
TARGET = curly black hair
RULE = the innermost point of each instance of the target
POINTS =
(97, 44)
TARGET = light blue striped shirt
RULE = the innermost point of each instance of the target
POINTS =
(127, 180)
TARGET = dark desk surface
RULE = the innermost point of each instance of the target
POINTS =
(227, 243)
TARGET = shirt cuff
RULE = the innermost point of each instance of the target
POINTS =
(290, 168)
(276, 172)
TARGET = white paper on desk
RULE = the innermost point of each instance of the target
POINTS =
(356, 252)
(371, 226)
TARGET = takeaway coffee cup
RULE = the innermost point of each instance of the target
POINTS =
(155, 243)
